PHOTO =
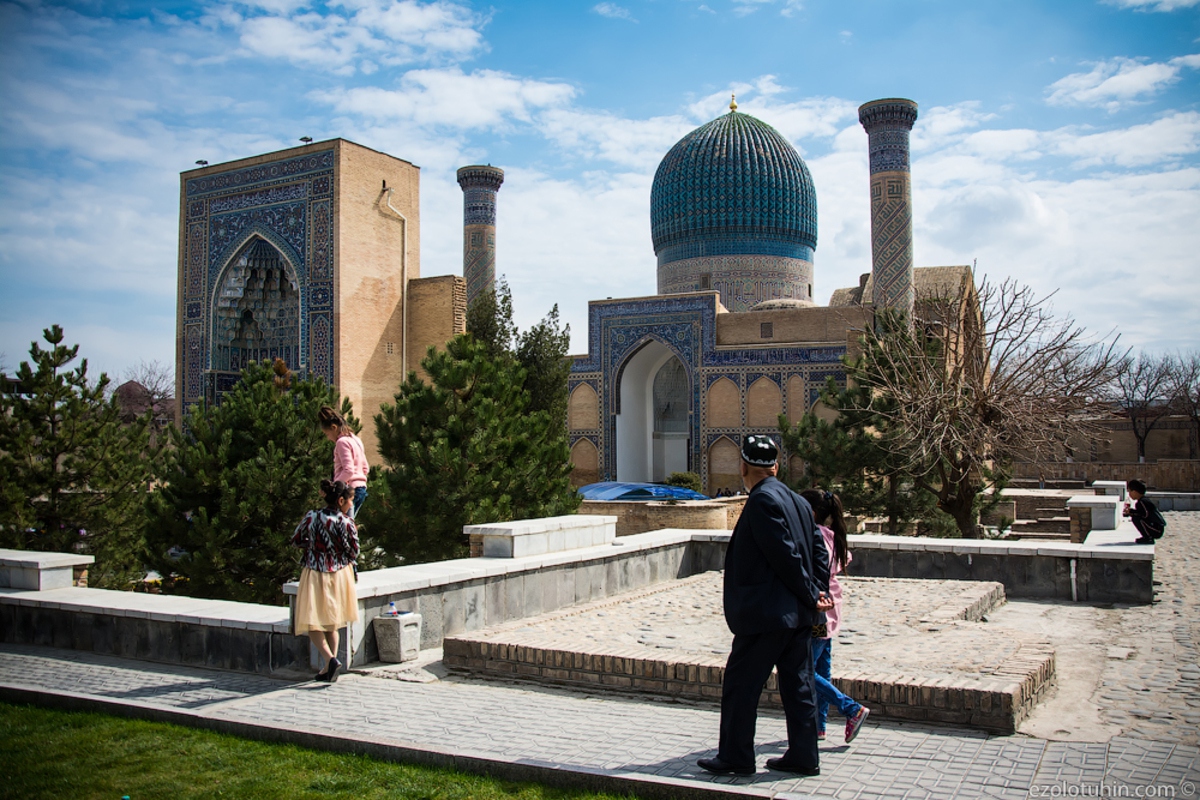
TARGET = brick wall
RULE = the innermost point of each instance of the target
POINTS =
(814, 324)
(1181, 475)
(999, 701)
(641, 516)
(437, 309)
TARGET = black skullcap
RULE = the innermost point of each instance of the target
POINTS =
(759, 451)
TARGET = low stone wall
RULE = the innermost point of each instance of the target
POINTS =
(1175, 501)
(643, 516)
(470, 594)
(175, 630)
(1181, 475)
(1089, 572)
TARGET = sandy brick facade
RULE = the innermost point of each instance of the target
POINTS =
(374, 252)
(437, 312)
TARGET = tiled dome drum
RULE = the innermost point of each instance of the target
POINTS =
(733, 209)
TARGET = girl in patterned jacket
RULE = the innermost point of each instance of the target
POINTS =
(327, 599)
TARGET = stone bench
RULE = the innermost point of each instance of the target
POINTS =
(1109, 488)
(535, 537)
(39, 572)
(1105, 508)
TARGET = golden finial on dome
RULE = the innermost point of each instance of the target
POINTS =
(732, 101)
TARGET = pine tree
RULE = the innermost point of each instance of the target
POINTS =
(73, 477)
(238, 480)
(542, 352)
(465, 449)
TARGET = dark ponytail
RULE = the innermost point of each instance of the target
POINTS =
(828, 511)
(329, 418)
(333, 491)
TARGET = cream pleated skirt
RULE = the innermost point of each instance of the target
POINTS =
(326, 600)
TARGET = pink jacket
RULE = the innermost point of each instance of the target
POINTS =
(833, 617)
(349, 461)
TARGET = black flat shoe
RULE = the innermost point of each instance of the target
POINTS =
(783, 765)
(718, 767)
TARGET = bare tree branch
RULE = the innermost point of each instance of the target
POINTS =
(989, 378)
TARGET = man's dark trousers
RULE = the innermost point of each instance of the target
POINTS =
(746, 673)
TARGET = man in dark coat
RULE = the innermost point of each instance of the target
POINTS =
(776, 589)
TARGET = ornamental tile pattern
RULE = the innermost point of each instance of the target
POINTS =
(734, 178)
(887, 123)
(287, 203)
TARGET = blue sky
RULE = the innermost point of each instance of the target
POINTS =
(1058, 142)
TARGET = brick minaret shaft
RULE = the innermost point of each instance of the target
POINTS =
(479, 185)
(888, 123)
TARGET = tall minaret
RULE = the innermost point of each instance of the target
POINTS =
(479, 185)
(887, 123)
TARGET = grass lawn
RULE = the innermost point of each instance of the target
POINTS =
(62, 754)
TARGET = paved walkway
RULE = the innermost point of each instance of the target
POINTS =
(1139, 706)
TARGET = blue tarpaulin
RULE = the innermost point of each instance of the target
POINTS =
(622, 490)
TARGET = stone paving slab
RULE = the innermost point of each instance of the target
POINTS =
(613, 741)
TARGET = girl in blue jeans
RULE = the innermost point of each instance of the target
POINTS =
(827, 511)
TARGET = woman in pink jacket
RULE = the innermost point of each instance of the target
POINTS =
(349, 459)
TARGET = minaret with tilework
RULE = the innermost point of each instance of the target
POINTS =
(888, 123)
(479, 185)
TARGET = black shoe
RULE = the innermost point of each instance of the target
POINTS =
(1144, 540)
(783, 765)
(331, 671)
(718, 767)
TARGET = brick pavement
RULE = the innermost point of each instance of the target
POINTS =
(631, 743)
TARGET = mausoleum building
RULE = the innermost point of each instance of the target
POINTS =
(733, 339)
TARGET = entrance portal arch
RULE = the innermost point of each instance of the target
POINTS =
(653, 427)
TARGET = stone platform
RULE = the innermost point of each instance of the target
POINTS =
(908, 649)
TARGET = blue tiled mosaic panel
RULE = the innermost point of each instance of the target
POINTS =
(887, 125)
(287, 203)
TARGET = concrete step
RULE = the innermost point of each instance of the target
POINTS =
(1041, 536)
(1043, 525)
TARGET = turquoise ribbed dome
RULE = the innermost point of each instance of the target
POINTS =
(733, 186)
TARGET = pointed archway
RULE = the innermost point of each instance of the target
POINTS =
(256, 313)
(653, 427)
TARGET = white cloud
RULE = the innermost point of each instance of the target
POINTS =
(1154, 5)
(630, 143)
(797, 120)
(391, 32)
(744, 7)
(1163, 140)
(1118, 82)
(613, 11)
(450, 97)
(938, 126)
